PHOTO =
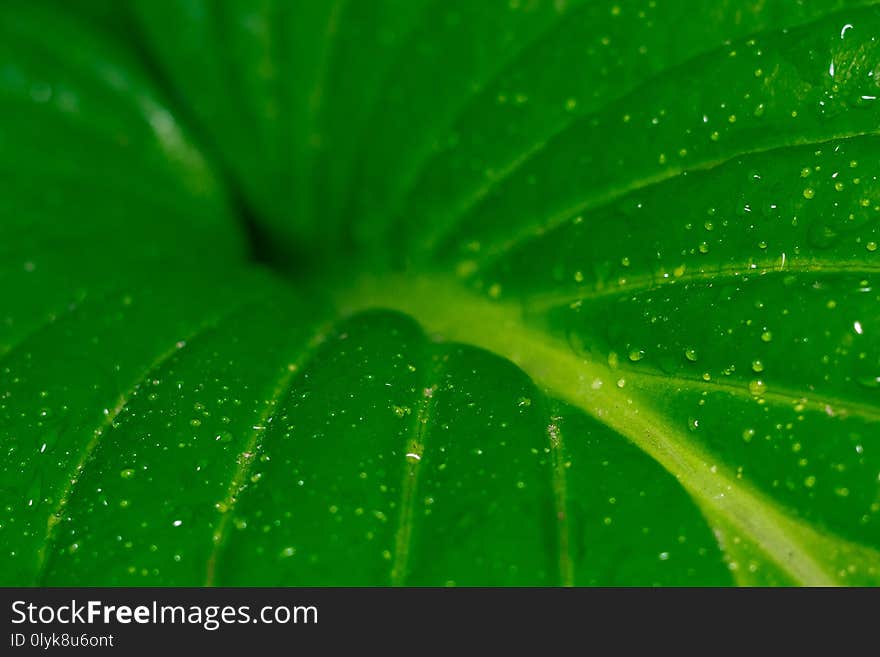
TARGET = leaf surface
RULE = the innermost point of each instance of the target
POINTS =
(583, 302)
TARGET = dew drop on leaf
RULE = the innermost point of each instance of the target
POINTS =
(757, 387)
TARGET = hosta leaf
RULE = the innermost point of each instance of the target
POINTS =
(561, 293)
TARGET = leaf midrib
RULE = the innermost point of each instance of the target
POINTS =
(447, 310)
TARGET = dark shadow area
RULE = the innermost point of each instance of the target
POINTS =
(264, 248)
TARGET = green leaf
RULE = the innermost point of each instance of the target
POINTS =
(423, 293)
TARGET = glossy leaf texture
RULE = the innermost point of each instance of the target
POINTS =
(560, 293)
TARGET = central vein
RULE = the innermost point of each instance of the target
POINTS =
(447, 310)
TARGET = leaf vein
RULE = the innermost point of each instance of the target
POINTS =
(724, 274)
(246, 458)
(110, 416)
(415, 450)
(613, 194)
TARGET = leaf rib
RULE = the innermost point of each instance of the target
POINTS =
(426, 154)
(246, 458)
(560, 497)
(506, 169)
(359, 157)
(74, 306)
(828, 404)
(331, 37)
(415, 451)
(612, 194)
(723, 274)
(110, 416)
(787, 540)
(420, 168)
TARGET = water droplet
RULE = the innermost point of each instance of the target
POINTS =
(401, 411)
(757, 366)
(691, 354)
(809, 193)
(757, 387)
(127, 473)
(766, 336)
(635, 355)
